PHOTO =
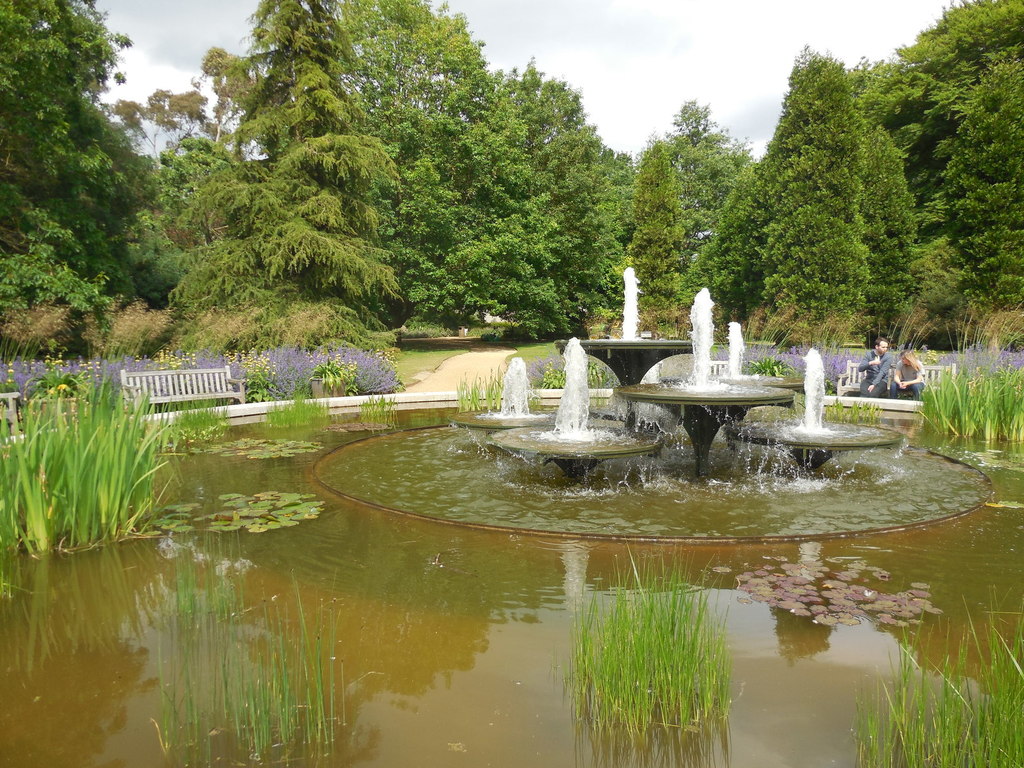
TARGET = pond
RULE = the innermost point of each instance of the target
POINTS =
(451, 644)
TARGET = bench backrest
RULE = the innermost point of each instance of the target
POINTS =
(930, 373)
(180, 384)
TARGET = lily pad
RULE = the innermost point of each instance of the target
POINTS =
(251, 448)
(267, 510)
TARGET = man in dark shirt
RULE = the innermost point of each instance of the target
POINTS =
(876, 363)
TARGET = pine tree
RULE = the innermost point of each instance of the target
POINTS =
(298, 238)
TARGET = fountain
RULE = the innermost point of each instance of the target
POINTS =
(701, 405)
(573, 445)
(810, 441)
(750, 494)
(629, 357)
(736, 351)
(630, 310)
(515, 404)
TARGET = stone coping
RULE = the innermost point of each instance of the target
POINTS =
(442, 399)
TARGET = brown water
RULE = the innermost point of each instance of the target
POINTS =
(453, 642)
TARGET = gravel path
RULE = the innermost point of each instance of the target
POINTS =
(463, 367)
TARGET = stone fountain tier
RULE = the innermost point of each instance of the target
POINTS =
(575, 457)
(703, 411)
(631, 359)
(492, 421)
(794, 383)
(811, 449)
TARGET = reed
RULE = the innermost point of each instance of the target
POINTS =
(378, 410)
(481, 394)
(195, 426)
(82, 473)
(298, 413)
(943, 718)
(242, 682)
(983, 405)
(652, 654)
(858, 413)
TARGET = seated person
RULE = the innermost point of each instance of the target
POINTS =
(876, 364)
(907, 375)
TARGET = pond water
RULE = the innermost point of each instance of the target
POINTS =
(453, 643)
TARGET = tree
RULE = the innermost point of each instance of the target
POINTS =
(890, 227)
(70, 186)
(985, 189)
(174, 115)
(657, 246)
(708, 162)
(297, 244)
(917, 97)
(814, 258)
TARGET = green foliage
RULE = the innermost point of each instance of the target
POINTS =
(78, 476)
(196, 425)
(652, 655)
(69, 183)
(657, 246)
(480, 395)
(858, 413)
(337, 378)
(378, 410)
(952, 715)
(984, 187)
(266, 680)
(297, 413)
(770, 366)
(55, 382)
(813, 253)
(297, 224)
(708, 163)
(983, 405)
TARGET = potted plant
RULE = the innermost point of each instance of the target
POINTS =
(333, 378)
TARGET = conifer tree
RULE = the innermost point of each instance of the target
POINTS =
(298, 238)
(657, 245)
(814, 257)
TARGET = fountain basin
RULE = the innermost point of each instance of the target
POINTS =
(440, 474)
(630, 359)
(491, 420)
(811, 449)
(576, 458)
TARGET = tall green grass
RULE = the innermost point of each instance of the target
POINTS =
(378, 410)
(81, 473)
(481, 394)
(299, 412)
(254, 683)
(858, 413)
(979, 405)
(944, 718)
(652, 654)
(196, 425)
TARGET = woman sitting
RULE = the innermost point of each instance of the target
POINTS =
(907, 376)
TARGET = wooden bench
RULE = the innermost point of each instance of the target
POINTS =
(9, 409)
(848, 383)
(182, 386)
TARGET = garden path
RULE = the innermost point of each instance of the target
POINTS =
(466, 366)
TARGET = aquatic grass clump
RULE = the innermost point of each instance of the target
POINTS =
(259, 685)
(653, 654)
(83, 472)
(298, 413)
(943, 717)
(481, 394)
(196, 425)
(378, 410)
(983, 405)
(858, 413)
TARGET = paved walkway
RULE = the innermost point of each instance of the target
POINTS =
(466, 366)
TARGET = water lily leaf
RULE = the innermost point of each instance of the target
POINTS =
(257, 528)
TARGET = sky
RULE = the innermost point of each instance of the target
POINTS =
(635, 62)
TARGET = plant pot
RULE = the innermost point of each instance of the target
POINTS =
(318, 389)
